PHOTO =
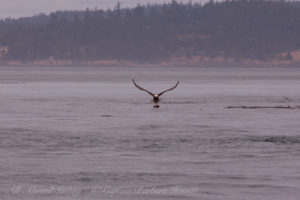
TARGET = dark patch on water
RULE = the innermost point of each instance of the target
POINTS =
(277, 139)
(76, 138)
(247, 140)
(105, 115)
(263, 107)
(85, 179)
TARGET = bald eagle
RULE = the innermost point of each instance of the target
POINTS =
(155, 96)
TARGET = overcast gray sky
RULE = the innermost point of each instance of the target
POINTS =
(23, 8)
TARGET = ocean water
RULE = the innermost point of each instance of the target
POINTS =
(87, 133)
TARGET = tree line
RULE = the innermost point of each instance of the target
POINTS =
(244, 29)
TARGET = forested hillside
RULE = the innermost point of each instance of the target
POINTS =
(244, 29)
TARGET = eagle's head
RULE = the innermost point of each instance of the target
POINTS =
(156, 95)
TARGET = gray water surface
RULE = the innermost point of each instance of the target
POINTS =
(88, 133)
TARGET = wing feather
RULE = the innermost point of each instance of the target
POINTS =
(172, 88)
(136, 85)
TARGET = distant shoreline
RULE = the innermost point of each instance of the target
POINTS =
(177, 63)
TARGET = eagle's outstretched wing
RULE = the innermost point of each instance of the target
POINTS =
(136, 85)
(169, 89)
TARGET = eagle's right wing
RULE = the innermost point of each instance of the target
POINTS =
(136, 85)
(172, 88)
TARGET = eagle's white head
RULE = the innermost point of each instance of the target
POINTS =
(156, 95)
